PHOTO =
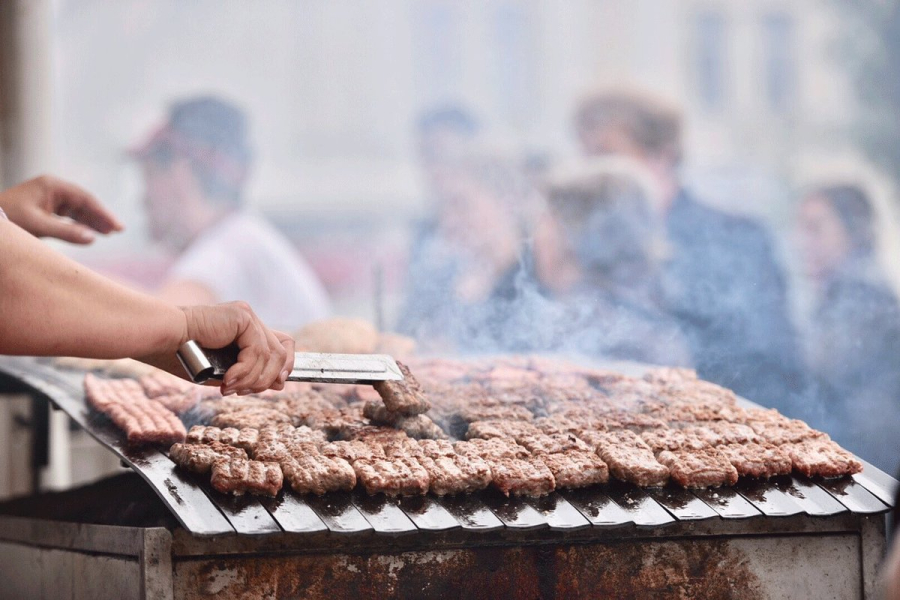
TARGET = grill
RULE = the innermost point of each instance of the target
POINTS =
(759, 535)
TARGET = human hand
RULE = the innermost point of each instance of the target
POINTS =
(49, 207)
(266, 356)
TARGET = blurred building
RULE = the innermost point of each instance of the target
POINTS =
(334, 89)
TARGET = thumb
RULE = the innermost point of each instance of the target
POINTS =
(67, 231)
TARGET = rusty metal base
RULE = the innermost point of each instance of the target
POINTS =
(799, 557)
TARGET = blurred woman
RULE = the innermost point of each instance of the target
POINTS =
(853, 342)
(465, 257)
(598, 253)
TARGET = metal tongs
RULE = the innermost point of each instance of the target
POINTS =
(203, 364)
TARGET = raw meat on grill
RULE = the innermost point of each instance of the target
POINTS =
(698, 468)
(494, 448)
(398, 476)
(199, 458)
(146, 422)
(821, 457)
(630, 459)
(376, 434)
(255, 418)
(218, 406)
(673, 439)
(315, 473)
(556, 424)
(403, 447)
(501, 429)
(513, 469)
(455, 473)
(276, 443)
(242, 438)
(697, 410)
(179, 402)
(239, 475)
(576, 468)
(306, 409)
(271, 450)
(785, 431)
(340, 423)
(532, 424)
(632, 421)
(521, 476)
(101, 393)
(353, 450)
(434, 448)
(404, 396)
(555, 443)
(417, 426)
(421, 428)
(293, 435)
(757, 460)
(716, 433)
(489, 412)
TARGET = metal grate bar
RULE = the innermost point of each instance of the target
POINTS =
(640, 506)
(727, 503)
(558, 513)
(770, 500)
(383, 514)
(597, 508)
(471, 513)
(245, 513)
(427, 514)
(339, 514)
(293, 514)
(882, 485)
(814, 500)
(515, 512)
(682, 504)
(852, 495)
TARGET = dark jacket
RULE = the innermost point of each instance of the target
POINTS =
(727, 292)
(854, 356)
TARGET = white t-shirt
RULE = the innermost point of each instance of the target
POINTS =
(242, 257)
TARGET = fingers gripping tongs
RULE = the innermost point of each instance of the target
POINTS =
(203, 364)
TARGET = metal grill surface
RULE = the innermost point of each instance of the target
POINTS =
(204, 512)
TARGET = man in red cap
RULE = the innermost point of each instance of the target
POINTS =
(195, 168)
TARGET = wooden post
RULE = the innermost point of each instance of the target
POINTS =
(26, 90)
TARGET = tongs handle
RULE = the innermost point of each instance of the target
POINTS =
(203, 364)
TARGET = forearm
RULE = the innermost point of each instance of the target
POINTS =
(51, 305)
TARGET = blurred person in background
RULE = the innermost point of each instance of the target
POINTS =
(464, 260)
(445, 135)
(465, 250)
(721, 282)
(195, 168)
(853, 340)
(597, 255)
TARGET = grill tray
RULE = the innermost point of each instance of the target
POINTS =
(204, 512)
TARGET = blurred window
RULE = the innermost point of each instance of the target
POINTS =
(439, 43)
(513, 28)
(711, 46)
(779, 65)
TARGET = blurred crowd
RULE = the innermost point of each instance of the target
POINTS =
(612, 256)
(609, 256)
